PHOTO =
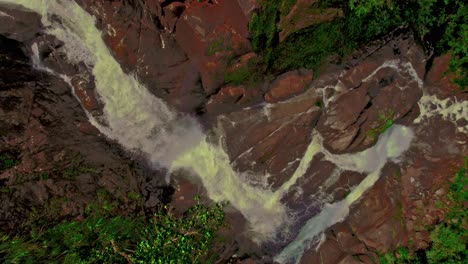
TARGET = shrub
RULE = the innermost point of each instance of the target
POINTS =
(7, 162)
(163, 238)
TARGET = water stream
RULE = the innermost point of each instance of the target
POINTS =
(141, 122)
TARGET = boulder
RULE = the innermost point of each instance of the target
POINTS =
(288, 84)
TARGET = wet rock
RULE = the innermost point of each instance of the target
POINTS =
(140, 35)
(375, 93)
(61, 163)
(386, 212)
(85, 93)
(172, 12)
(20, 25)
(268, 140)
(327, 254)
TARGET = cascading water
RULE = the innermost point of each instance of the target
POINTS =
(142, 122)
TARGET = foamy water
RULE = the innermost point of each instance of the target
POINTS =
(141, 122)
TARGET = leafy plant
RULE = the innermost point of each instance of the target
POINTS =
(76, 168)
(7, 162)
(163, 238)
(386, 120)
(251, 73)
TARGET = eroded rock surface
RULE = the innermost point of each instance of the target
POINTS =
(180, 50)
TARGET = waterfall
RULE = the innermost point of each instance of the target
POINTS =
(141, 122)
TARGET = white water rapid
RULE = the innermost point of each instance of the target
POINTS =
(141, 122)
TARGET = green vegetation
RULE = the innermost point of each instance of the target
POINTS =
(6, 190)
(44, 176)
(134, 196)
(77, 168)
(7, 162)
(286, 6)
(217, 46)
(238, 76)
(263, 29)
(449, 239)
(387, 121)
(100, 238)
(251, 74)
(439, 25)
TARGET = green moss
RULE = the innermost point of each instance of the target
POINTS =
(399, 215)
(450, 238)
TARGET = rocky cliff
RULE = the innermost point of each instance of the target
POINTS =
(198, 58)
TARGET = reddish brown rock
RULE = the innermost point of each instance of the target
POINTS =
(184, 195)
(38, 125)
(382, 88)
(438, 77)
(248, 7)
(327, 254)
(399, 207)
(85, 93)
(172, 13)
(303, 15)
(87, 128)
(288, 84)
(232, 98)
(210, 34)
(149, 49)
(274, 136)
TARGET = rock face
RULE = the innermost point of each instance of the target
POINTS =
(211, 34)
(288, 85)
(61, 163)
(350, 108)
(180, 50)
